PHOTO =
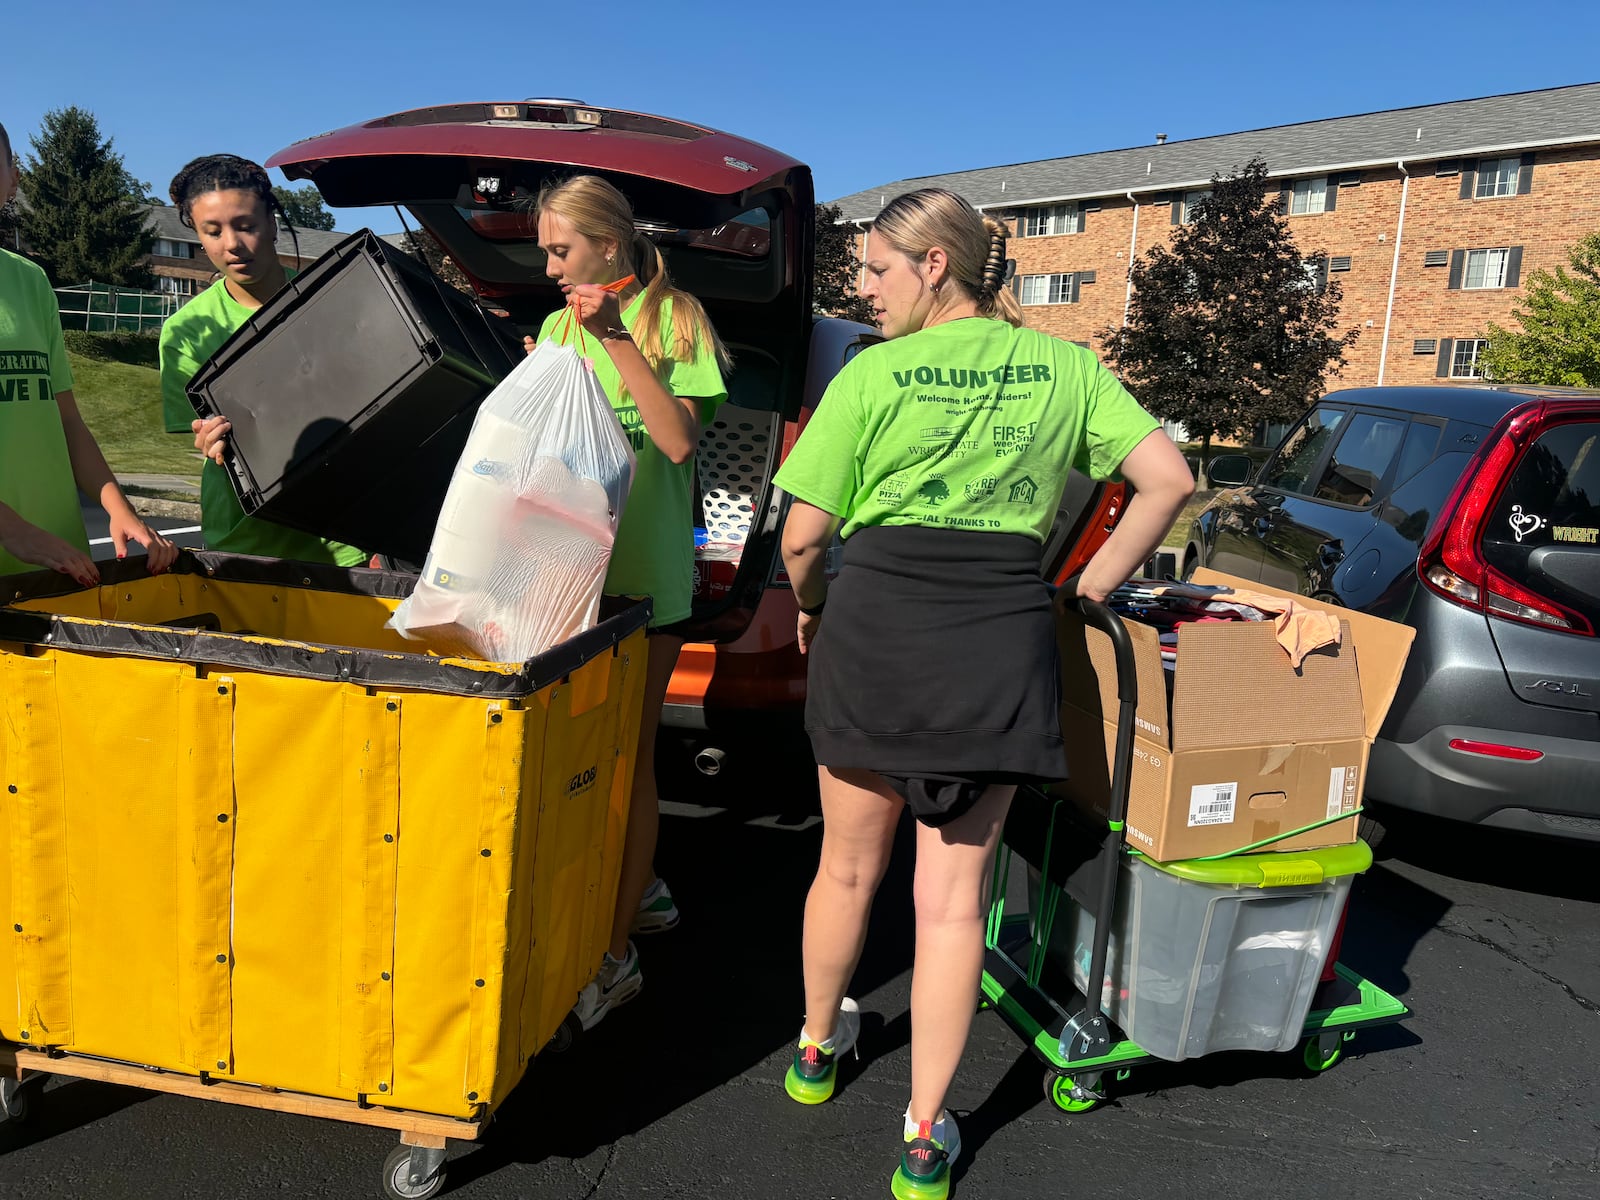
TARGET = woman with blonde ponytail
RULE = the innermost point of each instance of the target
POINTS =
(941, 456)
(661, 365)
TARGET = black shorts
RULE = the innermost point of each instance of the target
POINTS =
(937, 800)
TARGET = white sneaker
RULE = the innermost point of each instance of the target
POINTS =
(616, 984)
(657, 912)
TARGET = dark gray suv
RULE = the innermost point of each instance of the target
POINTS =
(1473, 515)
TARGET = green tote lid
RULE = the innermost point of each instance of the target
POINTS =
(1287, 869)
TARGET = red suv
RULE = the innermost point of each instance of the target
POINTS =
(734, 220)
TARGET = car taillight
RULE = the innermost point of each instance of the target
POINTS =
(1452, 562)
(1496, 750)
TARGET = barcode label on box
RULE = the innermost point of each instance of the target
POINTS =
(1212, 804)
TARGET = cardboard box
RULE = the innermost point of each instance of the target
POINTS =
(1249, 747)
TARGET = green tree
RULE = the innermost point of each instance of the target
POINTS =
(303, 207)
(85, 215)
(1559, 342)
(837, 269)
(1230, 324)
(422, 244)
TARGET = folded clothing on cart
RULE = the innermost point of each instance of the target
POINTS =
(1168, 606)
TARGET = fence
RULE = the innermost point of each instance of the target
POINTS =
(104, 307)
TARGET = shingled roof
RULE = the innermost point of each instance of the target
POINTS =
(1522, 121)
(164, 222)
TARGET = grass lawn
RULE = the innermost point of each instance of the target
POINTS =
(121, 404)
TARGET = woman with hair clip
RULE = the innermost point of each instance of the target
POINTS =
(47, 453)
(661, 365)
(228, 202)
(941, 456)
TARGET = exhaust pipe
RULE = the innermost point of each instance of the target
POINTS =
(709, 761)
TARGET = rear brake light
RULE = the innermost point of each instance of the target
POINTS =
(1495, 750)
(1452, 562)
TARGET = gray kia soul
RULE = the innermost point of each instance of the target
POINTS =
(1471, 514)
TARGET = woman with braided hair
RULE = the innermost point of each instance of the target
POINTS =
(228, 202)
(941, 456)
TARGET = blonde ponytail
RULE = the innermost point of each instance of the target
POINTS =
(601, 213)
(993, 296)
(690, 324)
(974, 245)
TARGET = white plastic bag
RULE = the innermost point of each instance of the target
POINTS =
(520, 553)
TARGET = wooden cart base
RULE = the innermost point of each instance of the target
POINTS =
(414, 1171)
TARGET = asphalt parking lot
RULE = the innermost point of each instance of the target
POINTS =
(1488, 1090)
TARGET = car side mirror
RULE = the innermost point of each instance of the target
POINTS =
(1230, 470)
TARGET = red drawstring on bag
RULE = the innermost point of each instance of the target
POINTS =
(569, 320)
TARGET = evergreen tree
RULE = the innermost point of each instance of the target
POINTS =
(1231, 324)
(85, 214)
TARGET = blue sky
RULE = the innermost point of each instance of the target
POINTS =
(861, 93)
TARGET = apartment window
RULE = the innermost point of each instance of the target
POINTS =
(1496, 267)
(1051, 220)
(1190, 199)
(1485, 269)
(1497, 177)
(1316, 270)
(1049, 289)
(174, 287)
(166, 248)
(1310, 196)
(1464, 358)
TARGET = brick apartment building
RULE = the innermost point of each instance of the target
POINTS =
(1431, 218)
(181, 267)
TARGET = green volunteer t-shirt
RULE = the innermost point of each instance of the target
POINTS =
(190, 337)
(972, 424)
(35, 468)
(654, 552)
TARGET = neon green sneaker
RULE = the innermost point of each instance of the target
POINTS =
(812, 1074)
(925, 1161)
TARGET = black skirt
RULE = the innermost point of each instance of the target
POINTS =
(937, 659)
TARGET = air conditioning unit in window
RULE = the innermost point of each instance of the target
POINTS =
(1425, 346)
(1436, 258)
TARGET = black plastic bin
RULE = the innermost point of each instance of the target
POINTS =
(351, 394)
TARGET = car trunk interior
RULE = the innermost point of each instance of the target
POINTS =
(736, 253)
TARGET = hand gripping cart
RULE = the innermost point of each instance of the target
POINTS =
(1192, 957)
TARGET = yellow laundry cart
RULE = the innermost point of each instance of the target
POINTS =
(255, 848)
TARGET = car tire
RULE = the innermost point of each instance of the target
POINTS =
(1191, 563)
(1381, 828)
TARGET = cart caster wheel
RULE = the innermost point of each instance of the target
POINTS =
(1058, 1090)
(564, 1038)
(19, 1099)
(1317, 1059)
(397, 1177)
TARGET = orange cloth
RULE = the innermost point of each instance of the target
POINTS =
(1301, 631)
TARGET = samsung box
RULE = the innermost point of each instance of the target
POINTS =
(351, 394)
(1248, 748)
